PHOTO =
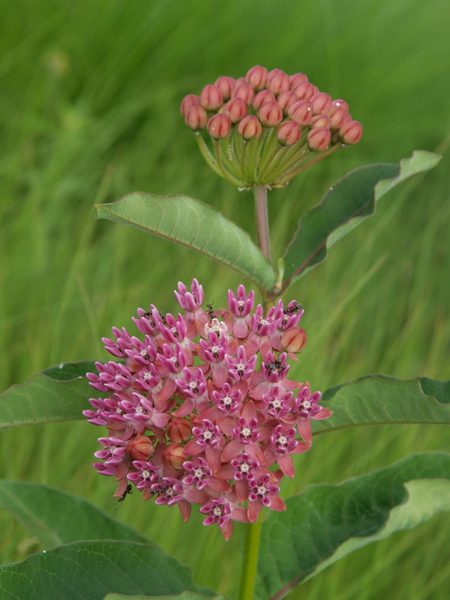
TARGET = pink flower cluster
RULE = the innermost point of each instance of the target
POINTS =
(271, 99)
(199, 409)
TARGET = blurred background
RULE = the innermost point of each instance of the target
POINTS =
(89, 111)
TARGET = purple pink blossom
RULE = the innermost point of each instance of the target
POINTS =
(199, 408)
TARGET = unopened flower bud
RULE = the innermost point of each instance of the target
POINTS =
(293, 340)
(288, 133)
(335, 104)
(188, 102)
(196, 118)
(250, 127)
(339, 118)
(219, 126)
(174, 455)
(179, 430)
(256, 77)
(319, 139)
(320, 121)
(236, 109)
(211, 97)
(140, 447)
(300, 112)
(243, 90)
(270, 114)
(321, 103)
(297, 79)
(226, 86)
(286, 99)
(277, 81)
(351, 132)
(262, 98)
(304, 90)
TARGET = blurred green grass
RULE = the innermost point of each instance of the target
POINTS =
(89, 111)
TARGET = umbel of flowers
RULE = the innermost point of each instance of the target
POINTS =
(199, 408)
(266, 127)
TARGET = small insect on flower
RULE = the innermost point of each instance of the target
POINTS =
(128, 491)
(199, 408)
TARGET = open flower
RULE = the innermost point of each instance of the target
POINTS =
(200, 411)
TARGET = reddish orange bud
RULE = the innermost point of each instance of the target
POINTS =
(294, 339)
(286, 99)
(179, 430)
(236, 109)
(256, 77)
(219, 126)
(297, 79)
(321, 103)
(339, 118)
(335, 105)
(211, 97)
(319, 139)
(174, 455)
(261, 98)
(250, 127)
(289, 133)
(226, 86)
(300, 112)
(188, 102)
(196, 118)
(270, 114)
(304, 91)
(277, 81)
(351, 132)
(243, 90)
(140, 447)
(320, 121)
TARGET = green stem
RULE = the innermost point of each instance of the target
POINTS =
(248, 580)
(262, 220)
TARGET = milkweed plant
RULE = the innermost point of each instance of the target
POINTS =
(199, 407)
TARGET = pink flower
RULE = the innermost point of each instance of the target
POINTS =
(199, 408)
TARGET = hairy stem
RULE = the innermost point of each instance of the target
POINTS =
(262, 220)
(249, 569)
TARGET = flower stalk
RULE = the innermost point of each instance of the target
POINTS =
(249, 570)
(262, 220)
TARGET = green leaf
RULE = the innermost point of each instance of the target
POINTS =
(57, 394)
(193, 224)
(55, 517)
(90, 570)
(352, 200)
(327, 522)
(183, 596)
(377, 399)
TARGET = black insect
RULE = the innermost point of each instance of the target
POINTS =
(210, 311)
(129, 490)
(290, 310)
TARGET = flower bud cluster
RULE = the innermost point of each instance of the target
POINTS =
(199, 408)
(268, 126)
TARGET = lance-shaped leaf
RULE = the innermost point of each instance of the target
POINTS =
(91, 570)
(327, 522)
(55, 517)
(57, 394)
(352, 200)
(193, 224)
(378, 400)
